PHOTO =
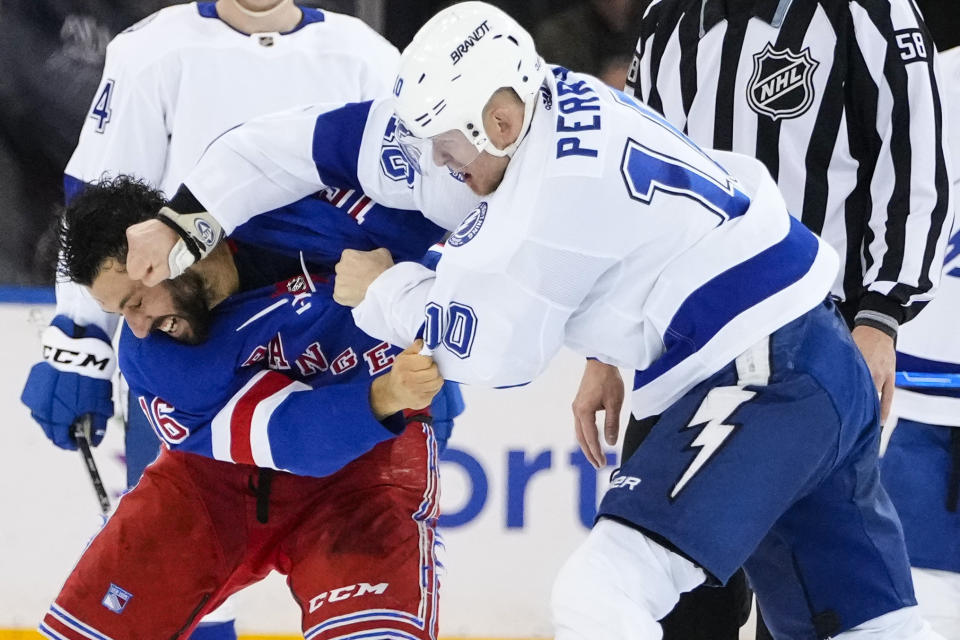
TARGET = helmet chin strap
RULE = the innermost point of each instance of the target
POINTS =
(259, 14)
(511, 148)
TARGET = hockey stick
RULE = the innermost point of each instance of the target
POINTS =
(81, 433)
(928, 380)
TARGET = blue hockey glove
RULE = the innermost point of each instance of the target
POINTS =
(446, 405)
(73, 380)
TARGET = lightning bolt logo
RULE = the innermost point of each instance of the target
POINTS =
(713, 414)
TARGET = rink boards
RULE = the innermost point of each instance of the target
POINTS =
(516, 495)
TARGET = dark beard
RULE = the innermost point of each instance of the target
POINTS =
(191, 302)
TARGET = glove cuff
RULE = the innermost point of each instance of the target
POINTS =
(72, 329)
(199, 233)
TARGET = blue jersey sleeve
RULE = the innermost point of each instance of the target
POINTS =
(319, 431)
(337, 137)
(275, 422)
(323, 225)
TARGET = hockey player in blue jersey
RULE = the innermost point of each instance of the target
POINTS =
(600, 227)
(275, 327)
(248, 372)
(170, 85)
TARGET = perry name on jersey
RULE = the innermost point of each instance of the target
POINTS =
(611, 233)
(619, 238)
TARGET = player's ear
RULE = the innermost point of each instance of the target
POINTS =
(502, 122)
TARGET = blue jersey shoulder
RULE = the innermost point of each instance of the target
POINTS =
(323, 225)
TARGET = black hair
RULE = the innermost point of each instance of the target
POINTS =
(93, 227)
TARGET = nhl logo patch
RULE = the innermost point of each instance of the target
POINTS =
(116, 599)
(296, 285)
(782, 83)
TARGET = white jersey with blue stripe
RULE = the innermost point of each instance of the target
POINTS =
(182, 77)
(611, 234)
(928, 343)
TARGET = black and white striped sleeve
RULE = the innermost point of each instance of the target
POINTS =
(648, 24)
(905, 206)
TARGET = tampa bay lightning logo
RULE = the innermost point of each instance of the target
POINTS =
(394, 164)
(205, 231)
(470, 227)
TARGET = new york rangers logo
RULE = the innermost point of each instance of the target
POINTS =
(470, 226)
(782, 83)
(116, 599)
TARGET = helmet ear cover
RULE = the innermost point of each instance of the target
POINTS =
(454, 65)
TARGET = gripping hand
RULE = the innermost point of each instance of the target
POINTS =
(72, 381)
(411, 383)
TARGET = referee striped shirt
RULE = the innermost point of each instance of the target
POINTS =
(839, 99)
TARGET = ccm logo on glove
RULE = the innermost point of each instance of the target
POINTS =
(90, 357)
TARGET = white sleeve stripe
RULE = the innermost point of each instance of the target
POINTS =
(360, 209)
(220, 435)
(342, 197)
(259, 426)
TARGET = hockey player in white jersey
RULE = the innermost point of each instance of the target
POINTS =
(171, 84)
(921, 466)
(602, 228)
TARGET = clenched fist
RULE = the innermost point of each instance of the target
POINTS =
(411, 383)
(148, 250)
(356, 271)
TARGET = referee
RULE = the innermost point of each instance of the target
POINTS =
(839, 99)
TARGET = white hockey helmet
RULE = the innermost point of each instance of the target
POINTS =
(453, 66)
